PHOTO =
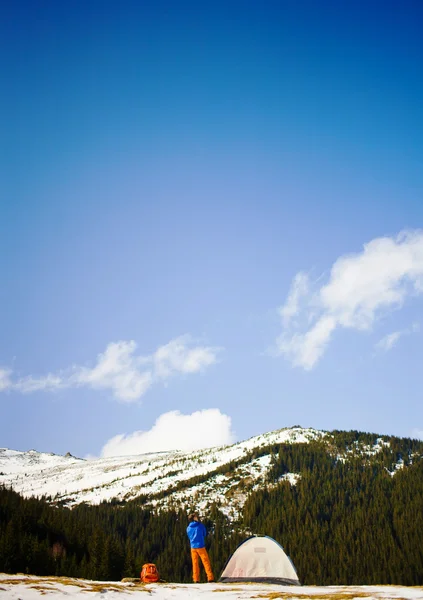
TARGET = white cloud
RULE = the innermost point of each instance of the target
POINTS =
(417, 434)
(361, 287)
(389, 341)
(29, 384)
(5, 381)
(175, 431)
(305, 349)
(176, 357)
(299, 289)
(119, 369)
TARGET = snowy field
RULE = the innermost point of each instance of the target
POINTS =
(25, 587)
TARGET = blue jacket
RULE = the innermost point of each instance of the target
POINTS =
(196, 532)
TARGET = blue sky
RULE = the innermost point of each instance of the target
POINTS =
(168, 170)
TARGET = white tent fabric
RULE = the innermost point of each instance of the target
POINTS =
(261, 559)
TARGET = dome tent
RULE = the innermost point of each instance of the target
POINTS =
(260, 559)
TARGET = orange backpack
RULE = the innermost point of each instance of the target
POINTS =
(149, 573)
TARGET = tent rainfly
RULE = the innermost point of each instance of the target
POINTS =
(260, 559)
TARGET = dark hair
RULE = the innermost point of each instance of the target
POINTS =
(192, 516)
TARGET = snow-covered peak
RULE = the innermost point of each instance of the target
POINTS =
(224, 475)
(155, 475)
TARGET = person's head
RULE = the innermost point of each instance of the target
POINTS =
(193, 517)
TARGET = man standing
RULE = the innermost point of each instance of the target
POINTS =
(196, 532)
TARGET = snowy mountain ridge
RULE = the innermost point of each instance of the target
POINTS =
(224, 475)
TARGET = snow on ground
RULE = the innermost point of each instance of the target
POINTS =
(360, 448)
(228, 491)
(363, 449)
(27, 587)
(397, 466)
(75, 480)
(293, 478)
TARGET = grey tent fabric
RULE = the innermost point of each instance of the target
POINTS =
(260, 559)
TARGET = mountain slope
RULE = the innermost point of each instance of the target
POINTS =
(222, 475)
(153, 476)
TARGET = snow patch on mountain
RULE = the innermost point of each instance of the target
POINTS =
(161, 477)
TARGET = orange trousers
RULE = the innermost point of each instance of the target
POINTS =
(197, 553)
